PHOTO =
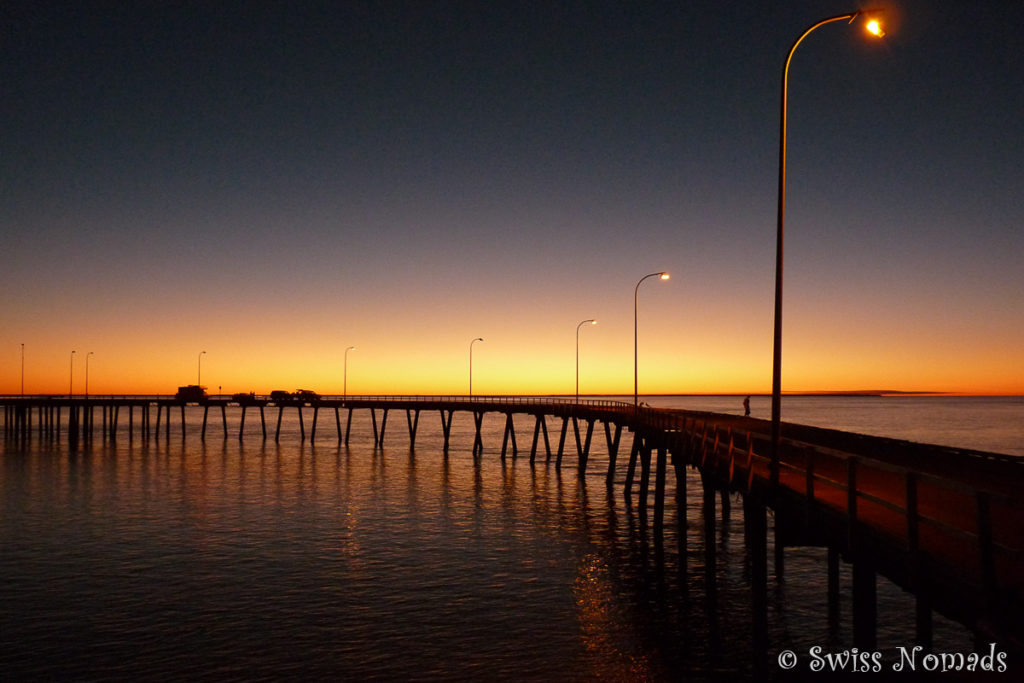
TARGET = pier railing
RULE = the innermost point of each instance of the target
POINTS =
(945, 524)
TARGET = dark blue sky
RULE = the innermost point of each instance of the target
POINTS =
(483, 155)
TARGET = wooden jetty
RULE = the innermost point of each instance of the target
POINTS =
(945, 524)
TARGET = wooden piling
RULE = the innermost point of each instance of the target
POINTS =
(631, 468)
(541, 425)
(413, 426)
(446, 427)
(645, 477)
(478, 442)
(561, 442)
(510, 430)
(613, 450)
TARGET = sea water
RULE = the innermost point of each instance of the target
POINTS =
(985, 423)
(252, 560)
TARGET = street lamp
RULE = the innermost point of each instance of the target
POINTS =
(663, 276)
(874, 27)
(582, 323)
(471, 364)
(87, 373)
(345, 376)
(199, 370)
(71, 382)
(22, 369)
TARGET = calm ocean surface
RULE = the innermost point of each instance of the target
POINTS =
(253, 561)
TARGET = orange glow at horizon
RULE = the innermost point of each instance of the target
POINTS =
(671, 361)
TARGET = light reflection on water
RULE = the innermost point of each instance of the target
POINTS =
(263, 561)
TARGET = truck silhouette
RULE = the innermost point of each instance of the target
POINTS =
(191, 393)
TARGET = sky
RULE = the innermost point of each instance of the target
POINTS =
(273, 183)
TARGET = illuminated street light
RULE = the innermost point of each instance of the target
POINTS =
(87, 373)
(199, 370)
(636, 396)
(873, 27)
(345, 377)
(471, 364)
(582, 323)
(71, 382)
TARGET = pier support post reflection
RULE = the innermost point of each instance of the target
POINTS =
(659, 489)
(679, 466)
(755, 519)
(780, 556)
(865, 609)
(645, 477)
(833, 588)
(923, 618)
(708, 513)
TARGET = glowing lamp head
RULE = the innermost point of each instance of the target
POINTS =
(874, 27)
(593, 322)
(663, 276)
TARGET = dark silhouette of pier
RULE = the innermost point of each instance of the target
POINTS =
(945, 524)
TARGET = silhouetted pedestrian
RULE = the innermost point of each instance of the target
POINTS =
(746, 407)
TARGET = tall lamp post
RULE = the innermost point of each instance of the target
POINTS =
(582, 323)
(873, 27)
(344, 385)
(636, 293)
(471, 364)
(87, 373)
(71, 381)
(22, 369)
(199, 370)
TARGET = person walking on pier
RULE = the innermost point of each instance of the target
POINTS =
(746, 407)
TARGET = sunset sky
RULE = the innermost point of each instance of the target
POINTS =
(275, 182)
